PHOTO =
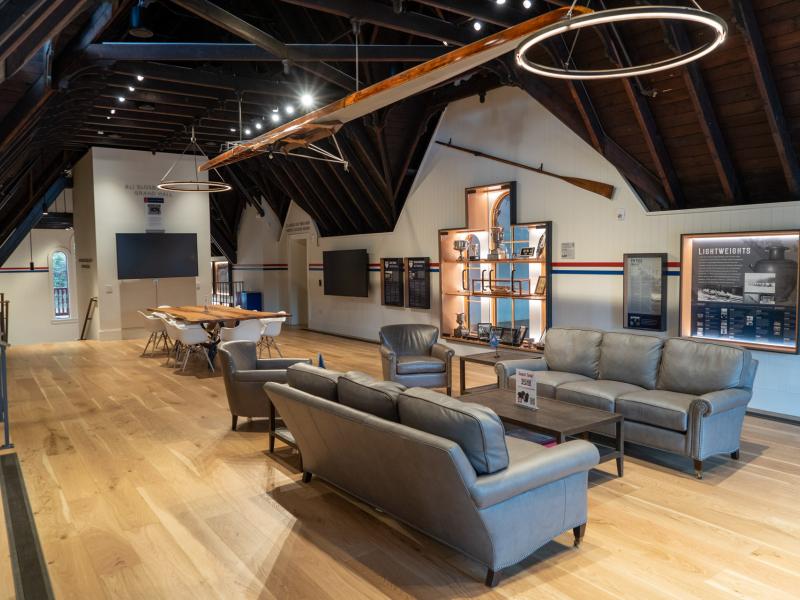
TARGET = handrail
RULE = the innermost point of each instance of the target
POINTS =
(4, 397)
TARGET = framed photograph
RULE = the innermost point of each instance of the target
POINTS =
(741, 288)
(527, 251)
(519, 335)
(507, 335)
(644, 295)
(541, 286)
(484, 331)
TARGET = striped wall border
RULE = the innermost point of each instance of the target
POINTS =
(373, 267)
(23, 270)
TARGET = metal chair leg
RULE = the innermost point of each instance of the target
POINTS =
(208, 358)
(277, 348)
(149, 339)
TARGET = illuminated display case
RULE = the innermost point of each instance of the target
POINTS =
(495, 273)
(741, 288)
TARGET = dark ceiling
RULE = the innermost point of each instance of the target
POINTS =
(719, 132)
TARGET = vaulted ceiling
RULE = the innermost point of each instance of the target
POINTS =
(719, 132)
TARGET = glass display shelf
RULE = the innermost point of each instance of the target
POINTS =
(496, 295)
(496, 260)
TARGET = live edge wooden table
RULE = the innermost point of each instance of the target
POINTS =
(489, 359)
(556, 418)
(214, 313)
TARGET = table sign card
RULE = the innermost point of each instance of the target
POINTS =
(526, 389)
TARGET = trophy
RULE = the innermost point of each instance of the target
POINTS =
(498, 249)
(460, 246)
(460, 331)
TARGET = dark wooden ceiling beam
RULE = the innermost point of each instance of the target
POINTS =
(373, 217)
(241, 186)
(376, 195)
(312, 194)
(279, 168)
(765, 80)
(678, 38)
(384, 16)
(488, 12)
(318, 184)
(230, 22)
(199, 52)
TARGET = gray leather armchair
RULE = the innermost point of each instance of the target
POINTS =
(411, 355)
(245, 375)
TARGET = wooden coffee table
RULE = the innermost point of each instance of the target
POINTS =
(556, 418)
(489, 359)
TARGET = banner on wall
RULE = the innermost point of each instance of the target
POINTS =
(741, 288)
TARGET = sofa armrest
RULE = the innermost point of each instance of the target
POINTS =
(388, 363)
(533, 472)
(442, 352)
(506, 368)
(260, 376)
(280, 363)
(723, 400)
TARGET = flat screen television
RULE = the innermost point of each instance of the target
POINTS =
(346, 272)
(156, 255)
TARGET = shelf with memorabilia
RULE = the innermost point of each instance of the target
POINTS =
(495, 273)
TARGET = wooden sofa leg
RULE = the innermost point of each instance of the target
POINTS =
(234, 419)
(492, 578)
(735, 455)
(579, 532)
(306, 476)
(698, 468)
(449, 391)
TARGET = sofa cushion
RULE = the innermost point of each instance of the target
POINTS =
(548, 381)
(693, 367)
(413, 364)
(669, 410)
(573, 351)
(367, 394)
(595, 393)
(631, 358)
(314, 380)
(477, 429)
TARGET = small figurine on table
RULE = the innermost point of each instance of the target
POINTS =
(494, 342)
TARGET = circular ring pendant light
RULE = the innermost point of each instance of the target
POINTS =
(620, 15)
(192, 185)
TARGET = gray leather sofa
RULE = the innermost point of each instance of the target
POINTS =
(442, 466)
(683, 396)
(245, 374)
(411, 355)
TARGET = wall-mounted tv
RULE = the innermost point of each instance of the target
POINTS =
(346, 272)
(156, 255)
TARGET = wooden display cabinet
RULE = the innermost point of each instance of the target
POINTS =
(496, 283)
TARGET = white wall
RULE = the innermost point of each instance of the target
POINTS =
(512, 125)
(120, 180)
(32, 317)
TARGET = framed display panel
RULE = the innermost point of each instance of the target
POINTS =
(492, 278)
(418, 271)
(392, 282)
(644, 296)
(741, 288)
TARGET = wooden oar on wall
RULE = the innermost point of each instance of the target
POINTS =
(597, 187)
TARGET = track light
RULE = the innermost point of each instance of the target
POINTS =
(275, 117)
(501, 1)
(247, 131)
(289, 109)
(258, 126)
(477, 25)
(131, 88)
(139, 78)
(108, 118)
(233, 130)
(121, 99)
(100, 132)
(445, 42)
(113, 111)
(307, 100)
(527, 4)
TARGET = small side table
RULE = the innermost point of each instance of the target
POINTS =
(488, 359)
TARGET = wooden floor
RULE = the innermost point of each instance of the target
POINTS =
(140, 490)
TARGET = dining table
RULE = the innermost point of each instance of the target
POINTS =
(212, 316)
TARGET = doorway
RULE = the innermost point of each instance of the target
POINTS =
(298, 281)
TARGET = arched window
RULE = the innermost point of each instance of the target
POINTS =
(60, 278)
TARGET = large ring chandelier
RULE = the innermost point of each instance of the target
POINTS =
(192, 185)
(619, 15)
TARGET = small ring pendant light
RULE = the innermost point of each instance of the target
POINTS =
(192, 185)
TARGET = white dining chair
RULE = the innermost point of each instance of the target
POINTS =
(270, 329)
(249, 331)
(173, 331)
(158, 333)
(193, 340)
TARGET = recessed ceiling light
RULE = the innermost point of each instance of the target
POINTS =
(307, 100)
(108, 118)
(501, 1)
(121, 99)
(289, 109)
(233, 130)
(139, 78)
(477, 25)
(99, 132)
(258, 125)
(113, 111)
(247, 131)
(527, 3)
(131, 88)
(275, 117)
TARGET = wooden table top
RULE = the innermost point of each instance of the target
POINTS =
(215, 313)
(489, 358)
(552, 416)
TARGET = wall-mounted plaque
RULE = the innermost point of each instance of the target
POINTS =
(419, 282)
(644, 298)
(741, 288)
(392, 282)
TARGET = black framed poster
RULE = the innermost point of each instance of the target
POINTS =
(392, 289)
(741, 288)
(644, 299)
(419, 282)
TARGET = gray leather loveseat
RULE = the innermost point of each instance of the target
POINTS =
(684, 396)
(442, 466)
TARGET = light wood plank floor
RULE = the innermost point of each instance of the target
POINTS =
(140, 490)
